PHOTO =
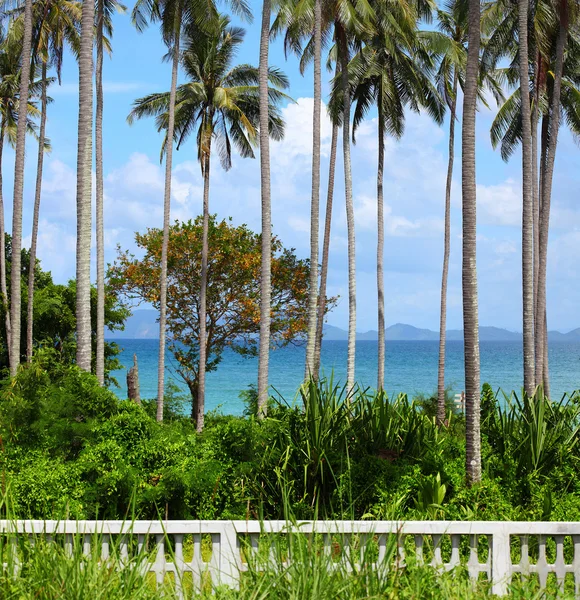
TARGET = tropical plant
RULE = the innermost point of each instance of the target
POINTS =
(15, 289)
(449, 44)
(56, 24)
(172, 15)
(105, 8)
(469, 270)
(10, 54)
(223, 101)
(84, 187)
(393, 71)
(265, 195)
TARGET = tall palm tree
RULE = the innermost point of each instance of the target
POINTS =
(84, 168)
(449, 44)
(344, 56)
(507, 127)
(546, 190)
(10, 54)
(15, 291)
(469, 271)
(527, 202)
(452, 24)
(392, 71)
(221, 102)
(315, 204)
(325, 251)
(56, 23)
(266, 263)
(103, 23)
(172, 15)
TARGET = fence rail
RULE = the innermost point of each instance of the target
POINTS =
(486, 547)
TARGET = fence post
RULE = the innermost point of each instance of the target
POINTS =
(229, 567)
(501, 561)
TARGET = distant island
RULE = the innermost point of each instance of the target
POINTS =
(143, 325)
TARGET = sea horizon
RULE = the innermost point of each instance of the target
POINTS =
(410, 367)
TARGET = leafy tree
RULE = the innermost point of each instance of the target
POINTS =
(233, 291)
(55, 317)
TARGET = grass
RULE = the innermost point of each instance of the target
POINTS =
(47, 570)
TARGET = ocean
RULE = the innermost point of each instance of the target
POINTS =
(410, 366)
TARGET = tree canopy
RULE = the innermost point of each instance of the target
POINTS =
(233, 290)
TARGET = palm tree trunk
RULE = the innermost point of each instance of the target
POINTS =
(538, 319)
(446, 252)
(325, 252)
(343, 57)
(35, 217)
(536, 208)
(100, 234)
(3, 286)
(166, 218)
(315, 205)
(200, 407)
(381, 248)
(84, 167)
(541, 339)
(15, 277)
(546, 374)
(469, 269)
(266, 267)
(527, 203)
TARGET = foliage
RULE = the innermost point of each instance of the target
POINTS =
(233, 291)
(55, 317)
(72, 449)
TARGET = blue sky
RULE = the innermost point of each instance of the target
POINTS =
(415, 169)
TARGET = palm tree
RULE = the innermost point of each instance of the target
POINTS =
(469, 271)
(392, 71)
(546, 191)
(449, 44)
(84, 168)
(506, 129)
(15, 291)
(325, 251)
(343, 55)
(172, 15)
(56, 22)
(103, 22)
(10, 55)
(527, 202)
(266, 266)
(315, 204)
(221, 102)
(452, 24)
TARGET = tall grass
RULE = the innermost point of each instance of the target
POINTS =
(349, 570)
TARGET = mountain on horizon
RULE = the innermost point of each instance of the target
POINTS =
(142, 324)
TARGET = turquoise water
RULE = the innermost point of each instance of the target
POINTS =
(410, 367)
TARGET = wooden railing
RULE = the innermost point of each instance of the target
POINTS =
(222, 548)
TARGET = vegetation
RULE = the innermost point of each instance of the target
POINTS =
(232, 303)
(381, 58)
(72, 449)
(50, 572)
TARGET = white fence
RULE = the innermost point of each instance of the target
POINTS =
(443, 544)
